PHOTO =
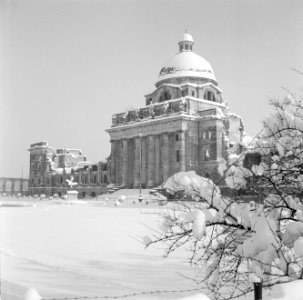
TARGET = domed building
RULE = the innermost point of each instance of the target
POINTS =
(185, 125)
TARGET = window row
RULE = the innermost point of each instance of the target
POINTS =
(207, 135)
(208, 95)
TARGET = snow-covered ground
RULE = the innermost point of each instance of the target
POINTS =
(86, 249)
(94, 248)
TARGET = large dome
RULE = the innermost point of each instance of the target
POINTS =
(186, 63)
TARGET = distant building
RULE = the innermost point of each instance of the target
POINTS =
(13, 186)
(185, 125)
(49, 169)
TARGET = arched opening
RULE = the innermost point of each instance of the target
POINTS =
(83, 194)
(93, 194)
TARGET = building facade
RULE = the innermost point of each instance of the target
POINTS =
(13, 186)
(184, 125)
(50, 168)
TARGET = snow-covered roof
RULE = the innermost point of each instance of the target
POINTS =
(187, 37)
(84, 163)
(187, 64)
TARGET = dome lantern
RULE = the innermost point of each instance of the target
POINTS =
(186, 44)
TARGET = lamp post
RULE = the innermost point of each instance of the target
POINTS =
(140, 169)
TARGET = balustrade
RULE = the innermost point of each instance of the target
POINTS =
(152, 111)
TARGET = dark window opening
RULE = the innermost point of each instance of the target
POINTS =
(193, 93)
(177, 137)
(251, 159)
(209, 95)
(166, 96)
(178, 155)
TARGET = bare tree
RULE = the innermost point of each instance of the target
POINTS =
(233, 242)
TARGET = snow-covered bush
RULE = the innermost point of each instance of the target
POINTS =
(233, 242)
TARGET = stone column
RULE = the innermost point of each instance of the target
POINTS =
(151, 161)
(165, 156)
(219, 139)
(118, 161)
(124, 162)
(157, 159)
(137, 162)
(182, 152)
(144, 161)
(112, 163)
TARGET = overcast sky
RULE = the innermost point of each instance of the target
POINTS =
(68, 65)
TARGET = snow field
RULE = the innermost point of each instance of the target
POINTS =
(86, 250)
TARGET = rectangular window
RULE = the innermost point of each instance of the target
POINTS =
(209, 134)
(177, 155)
(204, 135)
(177, 137)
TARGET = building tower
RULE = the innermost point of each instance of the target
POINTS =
(185, 125)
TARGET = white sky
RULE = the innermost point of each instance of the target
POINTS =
(67, 66)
